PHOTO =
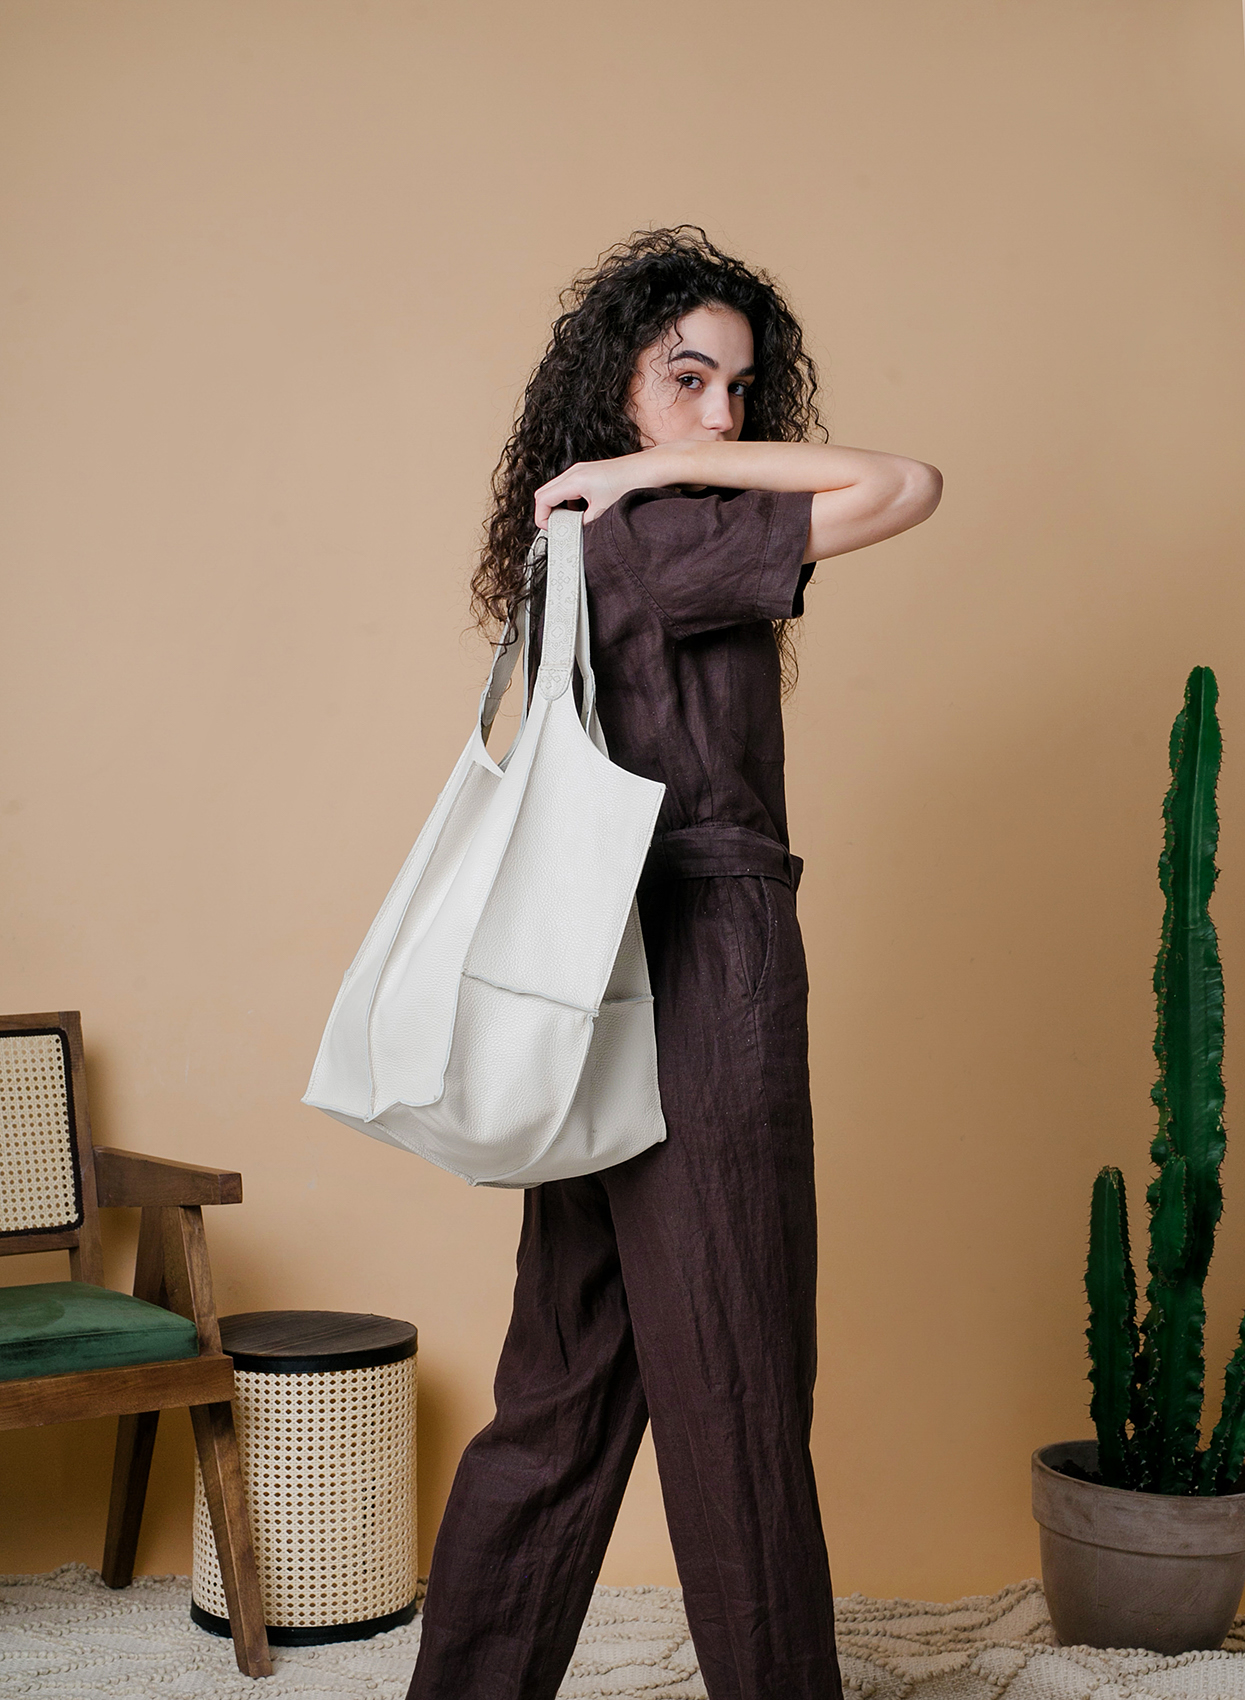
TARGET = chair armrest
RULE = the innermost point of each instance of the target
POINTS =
(128, 1177)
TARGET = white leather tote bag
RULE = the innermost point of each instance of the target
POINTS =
(498, 1018)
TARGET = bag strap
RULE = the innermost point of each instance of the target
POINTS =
(565, 640)
(563, 598)
(583, 656)
(504, 657)
(506, 652)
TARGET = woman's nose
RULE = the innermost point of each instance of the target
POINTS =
(716, 414)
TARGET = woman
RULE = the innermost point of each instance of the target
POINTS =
(675, 403)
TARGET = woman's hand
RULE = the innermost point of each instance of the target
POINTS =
(598, 482)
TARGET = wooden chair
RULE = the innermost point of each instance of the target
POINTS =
(76, 1349)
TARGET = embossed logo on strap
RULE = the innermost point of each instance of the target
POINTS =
(561, 601)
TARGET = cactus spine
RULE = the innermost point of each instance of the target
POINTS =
(1160, 1398)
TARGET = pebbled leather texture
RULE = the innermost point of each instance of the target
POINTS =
(498, 1018)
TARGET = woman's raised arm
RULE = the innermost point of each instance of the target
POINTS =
(860, 495)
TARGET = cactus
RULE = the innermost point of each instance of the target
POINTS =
(1112, 1330)
(1161, 1397)
(1225, 1456)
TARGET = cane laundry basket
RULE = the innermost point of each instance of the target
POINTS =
(325, 1411)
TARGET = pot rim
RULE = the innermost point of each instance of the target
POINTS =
(1039, 1462)
(1163, 1525)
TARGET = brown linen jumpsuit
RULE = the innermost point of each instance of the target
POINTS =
(678, 1287)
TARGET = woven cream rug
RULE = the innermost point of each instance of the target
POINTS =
(64, 1636)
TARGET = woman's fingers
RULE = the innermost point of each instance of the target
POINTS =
(598, 483)
(593, 482)
(552, 495)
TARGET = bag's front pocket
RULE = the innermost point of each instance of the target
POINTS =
(752, 914)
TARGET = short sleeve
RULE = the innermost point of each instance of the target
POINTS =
(806, 573)
(725, 558)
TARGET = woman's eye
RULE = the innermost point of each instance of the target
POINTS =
(688, 380)
(740, 388)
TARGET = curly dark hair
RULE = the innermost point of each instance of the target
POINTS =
(575, 404)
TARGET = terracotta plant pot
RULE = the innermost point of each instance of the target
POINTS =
(1124, 1569)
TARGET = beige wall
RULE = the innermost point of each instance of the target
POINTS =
(276, 272)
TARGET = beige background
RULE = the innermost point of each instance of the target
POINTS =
(276, 271)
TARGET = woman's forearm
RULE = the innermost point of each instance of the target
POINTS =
(765, 466)
(859, 495)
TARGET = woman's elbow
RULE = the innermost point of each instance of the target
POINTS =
(903, 494)
(922, 491)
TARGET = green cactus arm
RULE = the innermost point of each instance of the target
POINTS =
(1188, 980)
(1172, 1362)
(1224, 1458)
(1169, 1219)
(1111, 1288)
(1170, 1372)
(1185, 1199)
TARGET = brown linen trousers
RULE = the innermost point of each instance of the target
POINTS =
(677, 1288)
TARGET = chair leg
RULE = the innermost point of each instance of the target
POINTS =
(136, 1437)
(217, 1445)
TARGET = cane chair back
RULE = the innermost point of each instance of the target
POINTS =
(47, 1179)
(39, 1182)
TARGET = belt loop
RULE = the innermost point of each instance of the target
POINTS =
(716, 848)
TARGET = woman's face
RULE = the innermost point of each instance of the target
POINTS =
(693, 383)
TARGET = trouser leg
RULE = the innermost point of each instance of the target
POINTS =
(537, 1492)
(717, 1236)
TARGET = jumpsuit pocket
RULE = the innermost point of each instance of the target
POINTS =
(752, 913)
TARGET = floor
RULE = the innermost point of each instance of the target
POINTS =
(64, 1636)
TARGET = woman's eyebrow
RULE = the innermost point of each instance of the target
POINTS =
(705, 360)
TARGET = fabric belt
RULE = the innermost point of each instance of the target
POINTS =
(700, 852)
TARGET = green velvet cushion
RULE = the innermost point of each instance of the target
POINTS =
(60, 1327)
